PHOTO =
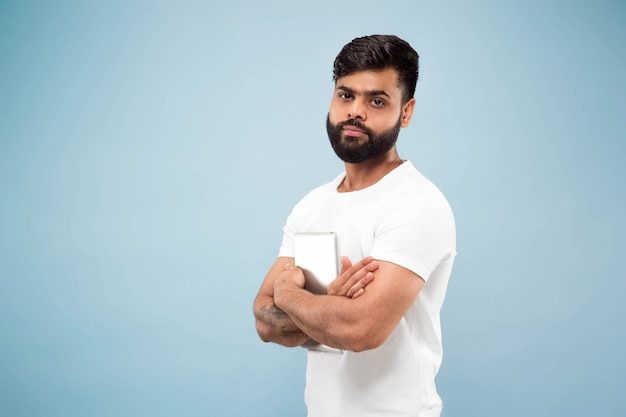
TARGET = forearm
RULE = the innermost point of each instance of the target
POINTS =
(338, 320)
(330, 320)
(354, 324)
(274, 325)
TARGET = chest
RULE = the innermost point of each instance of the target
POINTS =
(354, 220)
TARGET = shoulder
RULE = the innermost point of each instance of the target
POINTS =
(410, 189)
(414, 209)
(321, 191)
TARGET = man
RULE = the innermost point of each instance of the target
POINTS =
(378, 325)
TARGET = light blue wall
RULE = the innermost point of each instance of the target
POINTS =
(150, 152)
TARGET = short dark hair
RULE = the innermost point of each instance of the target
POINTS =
(379, 52)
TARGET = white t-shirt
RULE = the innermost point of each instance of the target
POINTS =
(403, 219)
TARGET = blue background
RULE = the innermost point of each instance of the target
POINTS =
(150, 152)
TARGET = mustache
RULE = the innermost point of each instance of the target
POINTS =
(356, 123)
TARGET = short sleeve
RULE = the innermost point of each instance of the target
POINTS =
(289, 231)
(416, 231)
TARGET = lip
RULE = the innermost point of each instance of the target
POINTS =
(353, 131)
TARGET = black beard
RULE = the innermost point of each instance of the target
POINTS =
(349, 150)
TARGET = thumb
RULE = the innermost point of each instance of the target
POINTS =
(345, 264)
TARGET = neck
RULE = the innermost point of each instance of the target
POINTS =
(368, 173)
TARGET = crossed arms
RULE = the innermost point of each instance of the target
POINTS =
(348, 317)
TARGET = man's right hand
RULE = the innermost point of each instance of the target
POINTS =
(353, 279)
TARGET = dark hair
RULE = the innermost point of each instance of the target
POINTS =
(379, 52)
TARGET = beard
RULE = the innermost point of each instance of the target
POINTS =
(350, 150)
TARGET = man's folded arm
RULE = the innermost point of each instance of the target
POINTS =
(351, 324)
(272, 323)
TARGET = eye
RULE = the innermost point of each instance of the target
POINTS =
(345, 96)
(377, 102)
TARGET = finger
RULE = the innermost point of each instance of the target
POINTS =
(358, 271)
(345, 264)
(369, 263)
(347, 273)
(350, 276)
(360, 284)
(338, 286)
(359, 293)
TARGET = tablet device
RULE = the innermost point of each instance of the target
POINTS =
(317, 255)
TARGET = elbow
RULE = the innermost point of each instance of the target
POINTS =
(263, 330)
(366, 343)
(263, 335)
(365, 338)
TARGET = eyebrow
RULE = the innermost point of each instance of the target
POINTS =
(368, 93)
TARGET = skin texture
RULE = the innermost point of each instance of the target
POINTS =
(369, 298)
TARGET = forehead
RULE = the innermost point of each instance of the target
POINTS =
(363, 81)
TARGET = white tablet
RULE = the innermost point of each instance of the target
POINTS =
(317, 255)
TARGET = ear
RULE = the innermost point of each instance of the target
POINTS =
(407, 112)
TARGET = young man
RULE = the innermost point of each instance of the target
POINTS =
(374, 340)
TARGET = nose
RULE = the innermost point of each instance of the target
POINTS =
(357, 110)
